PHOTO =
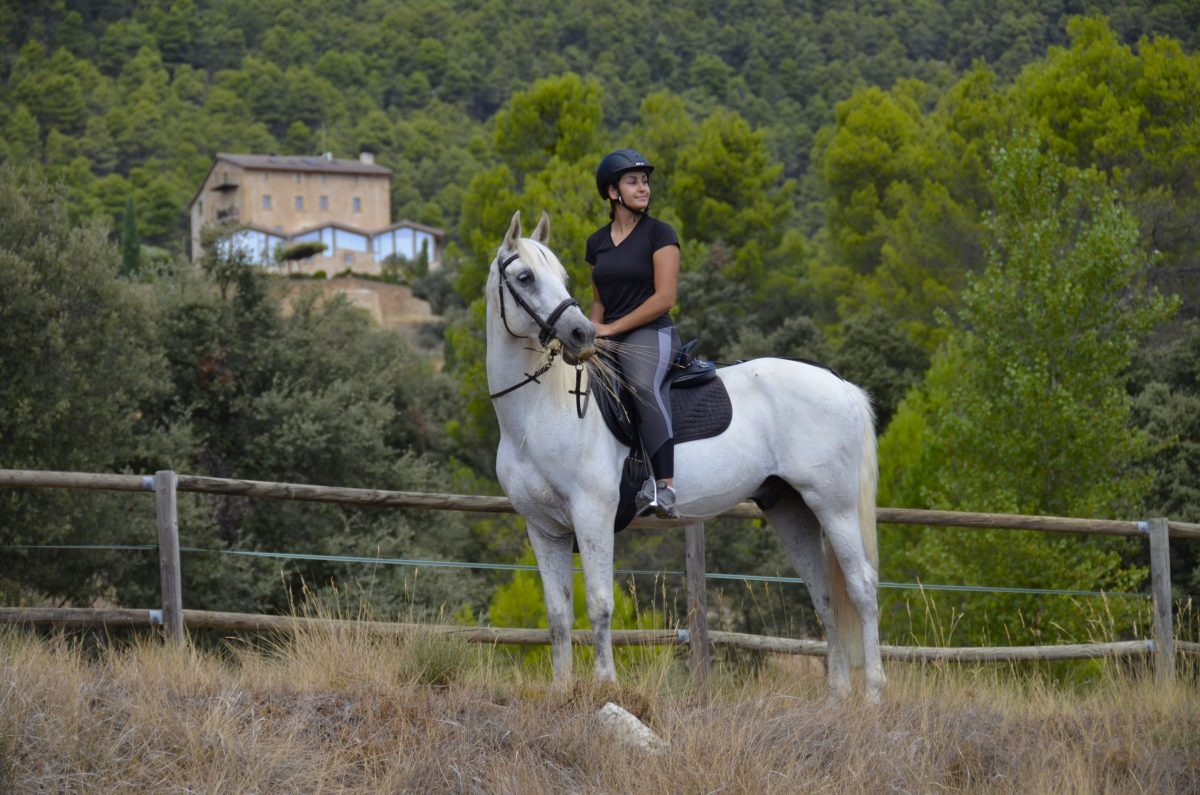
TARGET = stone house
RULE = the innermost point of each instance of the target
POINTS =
(278, 201)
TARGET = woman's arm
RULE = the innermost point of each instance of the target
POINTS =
(597, 314)
(666, 284)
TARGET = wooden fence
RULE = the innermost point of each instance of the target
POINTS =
(173, 617)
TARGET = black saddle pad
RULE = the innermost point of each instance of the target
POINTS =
(697, 412)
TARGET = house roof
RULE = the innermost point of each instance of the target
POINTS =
(433, 230)
(327, 224)
(303, 163)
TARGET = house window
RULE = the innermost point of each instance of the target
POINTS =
(385, 246)
(357, 204)
(266, 201)
(202, 208)
(324, 202)
(297, 177)
(348, 259)
(299, 202)
(404, 243)
(351, 241)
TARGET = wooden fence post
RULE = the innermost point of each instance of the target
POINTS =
(697, 602)
(1160, 588)
(165, 482)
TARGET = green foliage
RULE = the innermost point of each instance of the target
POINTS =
(520, 603)
(131, 241)
(76, 360)
(318, 396)
(1166, 380)
(1024, 410)
(301, 251)
(198, 370)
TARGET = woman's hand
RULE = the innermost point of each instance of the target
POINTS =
(604, 329)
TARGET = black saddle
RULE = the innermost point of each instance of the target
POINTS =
(700, 409)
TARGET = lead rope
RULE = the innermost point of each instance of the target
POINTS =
(529, 377)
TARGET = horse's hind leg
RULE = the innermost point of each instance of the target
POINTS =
(844, 535)
(801, 534)
(554, 559)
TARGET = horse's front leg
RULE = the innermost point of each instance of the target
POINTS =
(594, 534)
(554, 559)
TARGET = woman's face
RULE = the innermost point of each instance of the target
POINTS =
(634, 187)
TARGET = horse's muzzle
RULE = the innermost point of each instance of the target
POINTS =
(578, 342)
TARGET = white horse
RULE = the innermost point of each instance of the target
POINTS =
(795, 421)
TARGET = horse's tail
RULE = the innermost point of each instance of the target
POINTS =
(849, 623)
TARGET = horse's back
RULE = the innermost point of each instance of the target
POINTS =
(793, 391)
(793, 420)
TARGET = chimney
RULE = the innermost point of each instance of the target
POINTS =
(366, 156)
(328, 156)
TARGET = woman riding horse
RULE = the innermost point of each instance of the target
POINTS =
(635, 272)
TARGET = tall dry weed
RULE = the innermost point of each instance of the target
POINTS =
(343, 711)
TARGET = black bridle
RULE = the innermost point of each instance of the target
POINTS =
(547, 326)
(546, 334)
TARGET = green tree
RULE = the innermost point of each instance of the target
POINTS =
(317, 396)
(76, 359)
(556, 117)
(1166, 384)
(131, 241)
(1025, 411)
(1132, 114)
(22, 139)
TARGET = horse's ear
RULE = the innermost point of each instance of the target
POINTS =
(541, 232)
(514, 233)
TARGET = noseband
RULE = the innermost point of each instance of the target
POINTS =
(547, 326)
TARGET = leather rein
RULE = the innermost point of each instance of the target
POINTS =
(546, 334)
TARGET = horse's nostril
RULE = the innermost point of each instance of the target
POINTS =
(578, 335)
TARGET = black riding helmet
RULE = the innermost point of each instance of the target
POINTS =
(617, 163)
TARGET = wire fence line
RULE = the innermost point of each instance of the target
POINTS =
(166, 484)
(432, 563)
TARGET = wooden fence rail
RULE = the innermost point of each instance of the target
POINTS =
(248, 622)
(479, 504)
(174, 618)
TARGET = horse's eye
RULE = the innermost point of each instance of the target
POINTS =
(525, 277)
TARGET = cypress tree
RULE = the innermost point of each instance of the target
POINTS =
(131, 241)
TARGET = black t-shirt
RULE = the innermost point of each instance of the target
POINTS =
(624, 274)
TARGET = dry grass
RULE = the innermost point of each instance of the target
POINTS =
(328, 712)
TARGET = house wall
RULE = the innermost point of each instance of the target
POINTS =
(295, 200)
(212, 205)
